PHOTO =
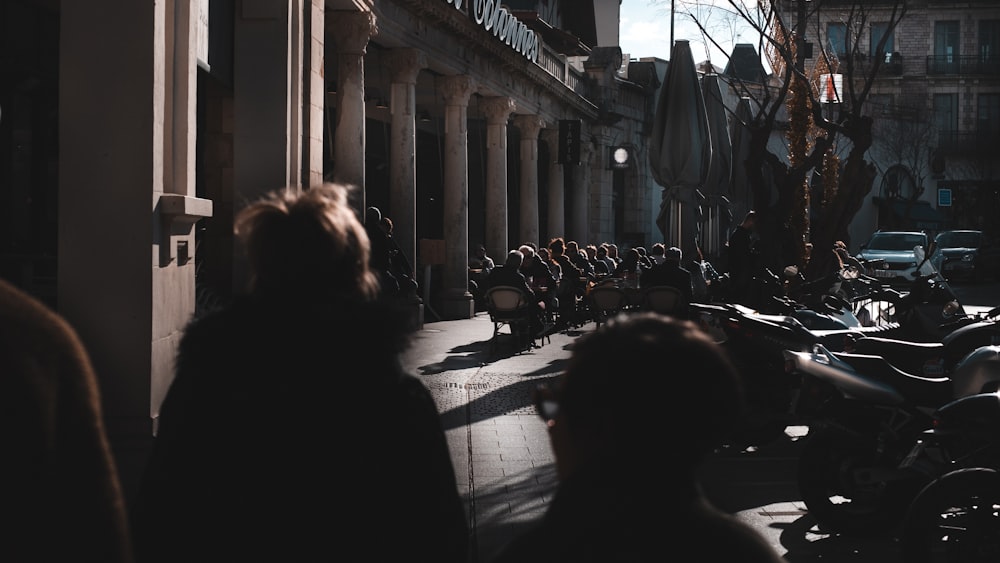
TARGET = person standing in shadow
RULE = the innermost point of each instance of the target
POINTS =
(616, 500)
(290, 431)
(60, 492)
(742, 258)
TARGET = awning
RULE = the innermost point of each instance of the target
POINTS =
(920, 213)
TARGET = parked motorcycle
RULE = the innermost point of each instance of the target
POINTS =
(963, 334)
(851, 469)
(755, 343)
(955, 518)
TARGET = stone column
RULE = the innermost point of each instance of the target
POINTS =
(458, 303)
(350, 32)
(580, 228)
(405, 65)
(602, 214)
(497, 112)
(557, 196)
(530, 125)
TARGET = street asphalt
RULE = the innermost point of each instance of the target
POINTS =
(505, 467)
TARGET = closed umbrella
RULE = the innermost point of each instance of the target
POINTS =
(720, 172)
(680, 149)
(741, 196)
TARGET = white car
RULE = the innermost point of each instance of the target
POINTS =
(896, 250)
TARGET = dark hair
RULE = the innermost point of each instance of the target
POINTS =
(665, 377)
(302, 242)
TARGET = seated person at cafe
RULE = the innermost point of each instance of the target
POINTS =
(480, 265)
(572, 284)
(539, 276)
(671, 273)
(509, 273)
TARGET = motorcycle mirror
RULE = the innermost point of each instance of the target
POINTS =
(950, 309)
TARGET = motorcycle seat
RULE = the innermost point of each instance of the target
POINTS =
(921, 391)
(881, 346)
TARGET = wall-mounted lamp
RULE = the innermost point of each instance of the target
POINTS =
(424, 116)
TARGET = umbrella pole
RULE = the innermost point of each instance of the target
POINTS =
(671, 23)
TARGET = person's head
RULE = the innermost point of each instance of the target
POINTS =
(557, 247)
(612, 250)
(750, 220)
(479, 250)
(528, 252)
(602, 251)
(657, 249)
(591, 251)
(514, 259)
(631, 257)
(543, 254)
(373, 216)
(306, 242)
(572, 248)
(673, 254)
(597, 416)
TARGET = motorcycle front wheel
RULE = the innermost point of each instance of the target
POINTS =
(955, 518)
(838, 477)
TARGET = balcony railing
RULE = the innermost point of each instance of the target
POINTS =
(965, 64)
(556, 65)
(967, 142)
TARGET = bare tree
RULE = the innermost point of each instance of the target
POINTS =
(785, 102)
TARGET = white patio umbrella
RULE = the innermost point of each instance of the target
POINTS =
(717, 217)
(680, 149)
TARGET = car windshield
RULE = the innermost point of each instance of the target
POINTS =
(958, 240)
(895, 241)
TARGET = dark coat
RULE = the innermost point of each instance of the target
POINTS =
(669, 272)
(59, 486)
(605, 518)
(503, 275)
(291, 433)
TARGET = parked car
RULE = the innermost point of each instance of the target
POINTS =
(966, 255)
(895, 250)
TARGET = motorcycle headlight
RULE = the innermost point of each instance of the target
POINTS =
(949, 309)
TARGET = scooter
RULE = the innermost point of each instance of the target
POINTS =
(851, 471)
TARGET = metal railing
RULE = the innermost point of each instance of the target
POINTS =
(963, 64)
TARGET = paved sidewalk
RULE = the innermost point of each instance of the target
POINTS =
(499, 446)
(504, 462)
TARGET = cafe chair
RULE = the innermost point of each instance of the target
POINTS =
(664, 299)
(508, 306)
(606, 301)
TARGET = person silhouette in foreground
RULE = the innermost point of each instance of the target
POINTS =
(290, 432)
(616, 500)
(59, 486)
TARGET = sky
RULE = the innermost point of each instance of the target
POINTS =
(645, 32)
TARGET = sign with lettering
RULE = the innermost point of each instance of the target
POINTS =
(504, 26)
